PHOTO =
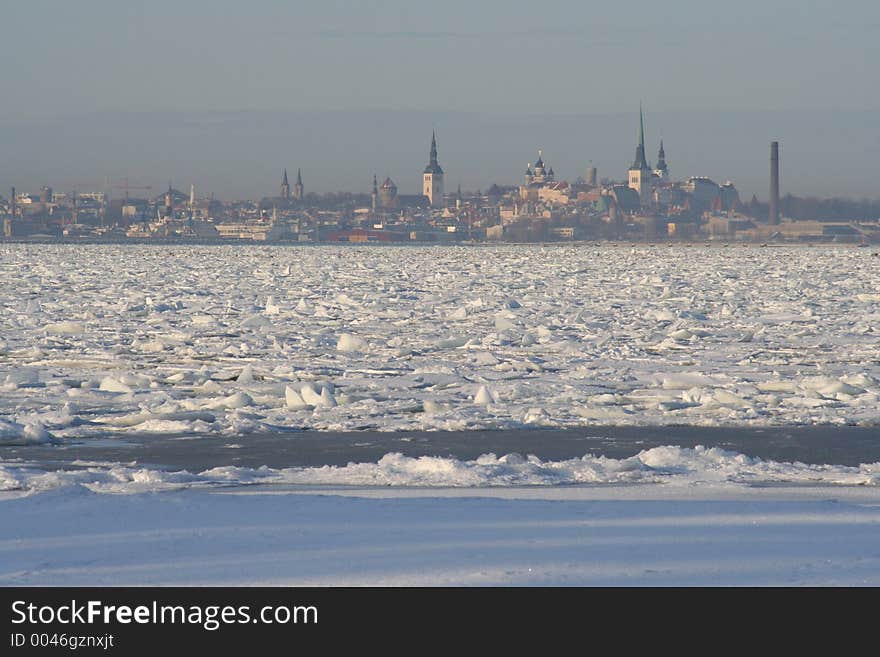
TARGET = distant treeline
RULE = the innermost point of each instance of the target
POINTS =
(822, 209)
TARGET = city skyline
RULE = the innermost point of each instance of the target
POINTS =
(239, 155)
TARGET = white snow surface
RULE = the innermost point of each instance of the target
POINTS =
(690, 532)
(185, 339)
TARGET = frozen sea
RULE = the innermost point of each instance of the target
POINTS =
(109, 340)
(567, 414)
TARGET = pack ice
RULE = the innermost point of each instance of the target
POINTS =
(98, 340)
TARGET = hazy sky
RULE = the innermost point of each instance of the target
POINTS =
(493, 58)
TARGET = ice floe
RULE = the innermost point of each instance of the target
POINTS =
(471, 337)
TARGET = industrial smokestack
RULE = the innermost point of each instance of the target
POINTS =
(774, 182)
(13, 202)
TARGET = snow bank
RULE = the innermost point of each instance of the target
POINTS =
(673, 466)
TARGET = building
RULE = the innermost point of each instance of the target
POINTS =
(536, 179)
(388, 194)
(640, 173)
(540, 174)
(432, 182)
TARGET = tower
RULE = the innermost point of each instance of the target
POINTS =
(169, 202)
(661, 170)
(298, 188)
(774, 182)
(432, 185)
(640, 172)
(388, 194)
(285, 187)
(592, 174)
(374, 197)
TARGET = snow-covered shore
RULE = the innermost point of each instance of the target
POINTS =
(668, 516)
(621, 535)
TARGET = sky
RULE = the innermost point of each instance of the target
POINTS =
(494, 67)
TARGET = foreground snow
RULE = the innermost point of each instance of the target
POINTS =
(668, 516)
(637, 535)
(116, 339)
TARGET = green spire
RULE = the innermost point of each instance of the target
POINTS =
(641, 127)
(640, 163)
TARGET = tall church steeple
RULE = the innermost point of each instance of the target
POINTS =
(432, 185)
(640, 173)
(298, 188)
(640, 161)
(285, 186)
(662, 170)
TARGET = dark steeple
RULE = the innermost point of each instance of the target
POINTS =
(298, 189)
(285, 186)
(433, 166)
(640, 162)
(661, 158)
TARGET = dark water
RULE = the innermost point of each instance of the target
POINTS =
(839, 445)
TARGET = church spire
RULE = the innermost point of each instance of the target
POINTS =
(433, 165)
(285, 186)
(299, 178)
(640, 162)
(661, 158)
(641, 128)
(298, 187)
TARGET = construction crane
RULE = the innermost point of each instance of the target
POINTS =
(125, 184)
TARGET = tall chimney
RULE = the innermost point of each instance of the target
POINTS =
(774, 182)
(13, 202)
